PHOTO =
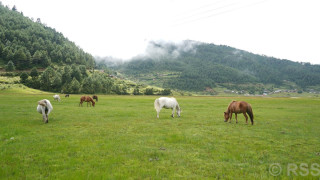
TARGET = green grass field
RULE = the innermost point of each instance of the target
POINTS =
(121, 138)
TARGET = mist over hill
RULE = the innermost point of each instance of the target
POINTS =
(196, 66)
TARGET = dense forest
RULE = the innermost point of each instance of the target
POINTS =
(30, 43)
(199, 66)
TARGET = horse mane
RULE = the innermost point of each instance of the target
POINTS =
(229, 106)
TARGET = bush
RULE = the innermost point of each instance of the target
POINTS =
(165, 92)
(149, 91)
(23, 77)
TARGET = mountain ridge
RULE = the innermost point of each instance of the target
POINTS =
(198, 66)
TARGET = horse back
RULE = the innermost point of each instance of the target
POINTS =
(167, 102)
(238, 106)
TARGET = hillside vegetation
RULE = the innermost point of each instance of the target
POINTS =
(196, 66)
(28, 43)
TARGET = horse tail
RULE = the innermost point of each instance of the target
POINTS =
(49, 106)
(157, 105)
(249, 111)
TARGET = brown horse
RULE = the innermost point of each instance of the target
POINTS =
(238, 107)
(87, 99)
(95, 97)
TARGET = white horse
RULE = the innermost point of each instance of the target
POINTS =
(44, 108)
(168, 103)
(57, 97)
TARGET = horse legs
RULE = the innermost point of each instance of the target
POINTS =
(158, 111)
(230, 117)
(173, 109)
(245, 115)
(236, 118)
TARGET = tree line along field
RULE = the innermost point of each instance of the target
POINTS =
(121, 138)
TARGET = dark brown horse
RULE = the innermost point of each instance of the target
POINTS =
(238, 107)
(67, 95)
(95, 97)
(87, 99)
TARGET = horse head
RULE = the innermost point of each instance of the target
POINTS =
(179, 111)
(226, 116)
(42, 103)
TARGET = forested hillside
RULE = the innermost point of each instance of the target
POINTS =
(28, 43)
(196, 66)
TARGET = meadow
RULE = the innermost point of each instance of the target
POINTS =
(121, 138)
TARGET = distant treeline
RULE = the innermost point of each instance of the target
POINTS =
(208, 65)
(28, 43)
(75, 79)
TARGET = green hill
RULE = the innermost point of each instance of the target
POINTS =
(196, 66)
(30, 43)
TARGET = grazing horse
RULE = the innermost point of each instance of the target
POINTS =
(67, 95)
(87, 99)
(57, 97)
(168, 103)
(44, 107)
(95, 97)
(238, 107)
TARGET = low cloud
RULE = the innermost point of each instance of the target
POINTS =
(155, 50)
(164, 49)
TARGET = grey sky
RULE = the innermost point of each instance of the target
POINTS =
(286, 29)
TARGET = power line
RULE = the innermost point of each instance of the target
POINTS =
(205, 12)
(218, 13)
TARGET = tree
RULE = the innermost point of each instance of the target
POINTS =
(75, 73)
(165, 92)
(75, 86)
(10, 66)
(83, 71)
(14, 8)
(36, 58)
(47, 79)
(149, 91)
(21, 59)
(23, 77)
(87, 86)
(66, 75)
(57, 82)
(34, 73)
(136, 91)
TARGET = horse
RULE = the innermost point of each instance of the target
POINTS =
(67, 95)
(238, 107)
(95, 97)
(57, 97)
(87, 99)
(168, 103)
(44, 107)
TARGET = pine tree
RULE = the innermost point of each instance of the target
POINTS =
(10, 66)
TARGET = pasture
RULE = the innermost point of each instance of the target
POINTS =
(121, 138)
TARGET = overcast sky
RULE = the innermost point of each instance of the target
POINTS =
(286, 29)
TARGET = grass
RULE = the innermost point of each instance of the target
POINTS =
(121, 138)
